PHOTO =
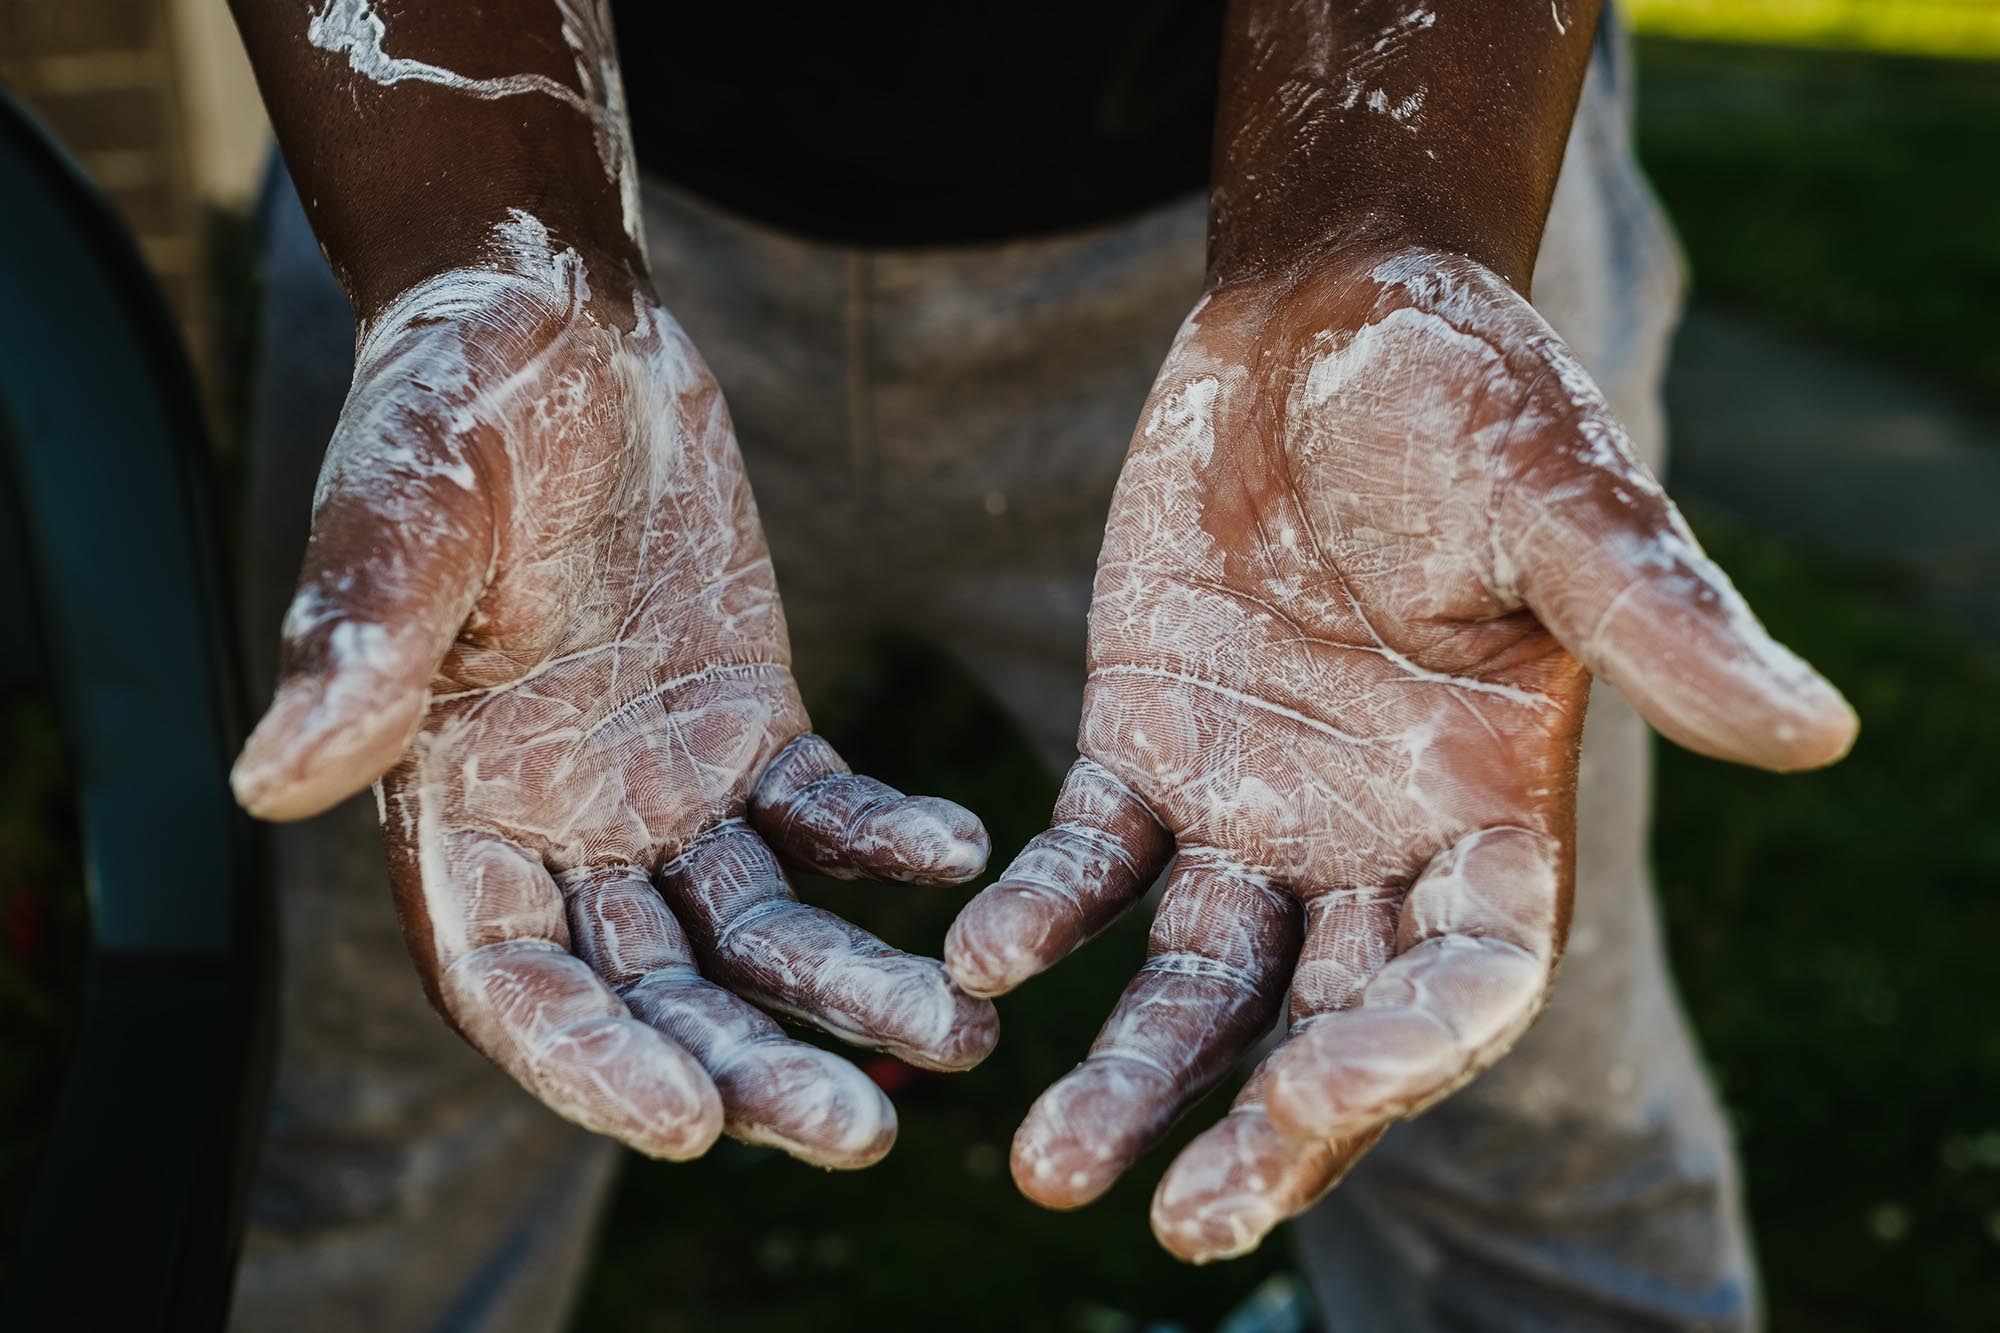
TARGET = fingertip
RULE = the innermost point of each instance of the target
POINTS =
(685, 1137)
(959, 1032)
(1083, 1133)
(924, 840)
(317, 746)
(1058, 1177)
(1070, 882)
(260, 790)
(619, 1077)
(1211, 1235)
(1041, 1175)
(1238, 1180)
(1784, 716)
(1216, 1201)
(1680, 643)
(872, 1128)
(816, 812)
(973, 1036)
(1819, 730)
(813, 1105)
(997, 942)
(263, 778)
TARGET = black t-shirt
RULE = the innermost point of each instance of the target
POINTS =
(908, 123)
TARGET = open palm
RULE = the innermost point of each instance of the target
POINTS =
(537, 596)
(1374, 526)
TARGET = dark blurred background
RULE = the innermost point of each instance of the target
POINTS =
(1834, 172)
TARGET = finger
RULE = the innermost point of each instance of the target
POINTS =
(757, 939)
(1593, 545)
(1238, 1179)
(1476, 949)
(1212, 983)
(1102, 851)
(1350, 937)
(401, 544)
(775, 1091)
(812, 810)
(509, 985)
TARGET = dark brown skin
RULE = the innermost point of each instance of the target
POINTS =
(1471, 171)
(407, 181)
(1375, 524)
(537, 609)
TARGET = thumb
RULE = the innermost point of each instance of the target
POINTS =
(1589, 540)
(400, 548)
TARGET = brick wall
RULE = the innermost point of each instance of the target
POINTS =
(102, 75)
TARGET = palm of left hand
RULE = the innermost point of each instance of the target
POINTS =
(1370, 522)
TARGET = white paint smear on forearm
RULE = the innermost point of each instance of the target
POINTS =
(352, 28)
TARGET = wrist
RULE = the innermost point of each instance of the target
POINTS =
(1374, 123)
(1283, 243)
(605, 279)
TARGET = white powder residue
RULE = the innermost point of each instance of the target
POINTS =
(353, 29)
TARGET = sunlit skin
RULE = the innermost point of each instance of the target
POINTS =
(1375, 528)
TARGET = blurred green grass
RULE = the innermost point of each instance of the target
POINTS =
(1833, 938)
(1957, 28)
(1851, 198)
(1832, 933)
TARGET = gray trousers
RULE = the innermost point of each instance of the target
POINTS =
(933, 436)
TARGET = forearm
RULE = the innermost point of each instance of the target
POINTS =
(1430, 122)
(413, 130)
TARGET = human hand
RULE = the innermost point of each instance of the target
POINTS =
(1375, 527)
(537, 605)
